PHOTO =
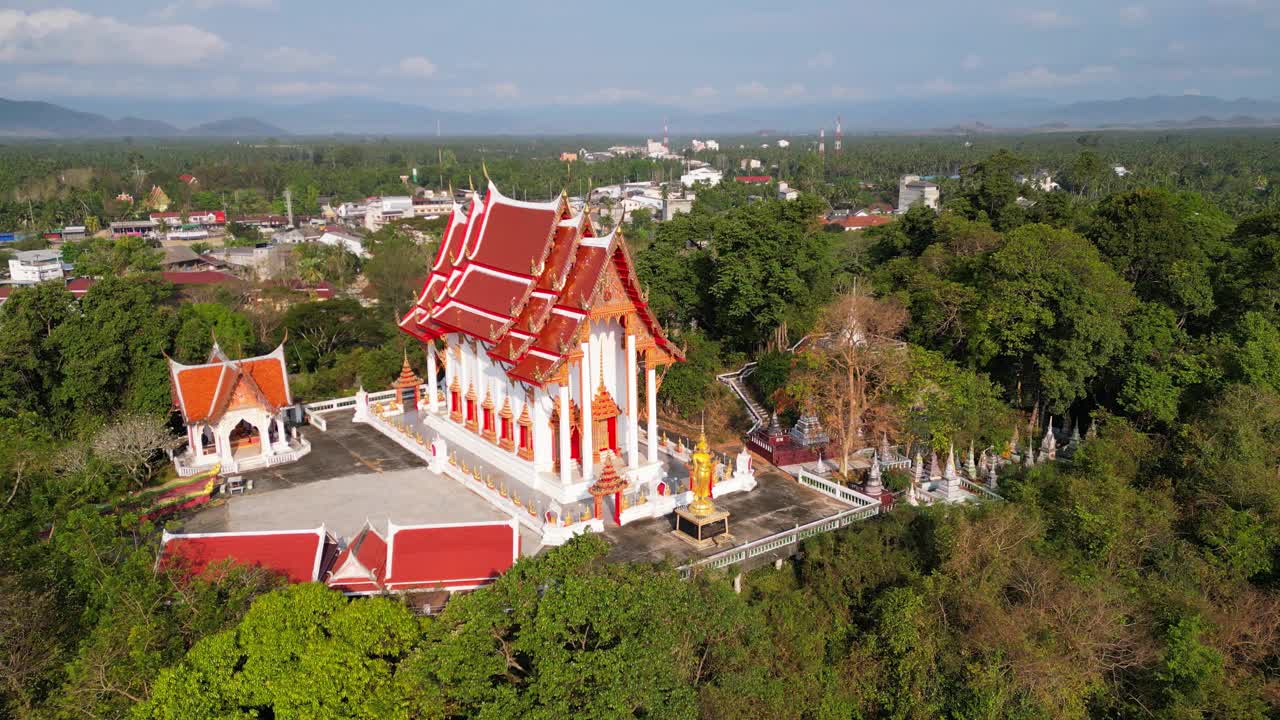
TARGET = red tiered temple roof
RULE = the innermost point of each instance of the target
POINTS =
(521, 277)
(204, 392)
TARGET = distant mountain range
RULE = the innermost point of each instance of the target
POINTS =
(366, 116)
(31, 119)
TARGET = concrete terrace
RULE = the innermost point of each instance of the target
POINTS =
(354, 473)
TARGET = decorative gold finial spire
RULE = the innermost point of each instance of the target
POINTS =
(485, 169)
(471, 183)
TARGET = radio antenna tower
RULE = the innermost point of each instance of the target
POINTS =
(666, 141)
(838, 134)
(822, 141)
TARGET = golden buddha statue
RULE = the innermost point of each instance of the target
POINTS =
(701, 473)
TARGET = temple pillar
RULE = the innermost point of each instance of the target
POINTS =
(280, 436)
(651, 387)
(566, 450)
(450, 371)
(633, 414)
(431, 376)
(264, 437)
(195, 441)
(584, 384)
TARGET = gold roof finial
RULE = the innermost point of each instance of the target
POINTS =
(471, 182)
(485, 169)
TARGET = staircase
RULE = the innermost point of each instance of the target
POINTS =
(759, 416)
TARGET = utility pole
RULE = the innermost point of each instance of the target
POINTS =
(288, 205)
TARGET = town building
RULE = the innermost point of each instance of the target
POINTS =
(204, 218)
(380, 211)
(546, 338)
(854, 223)
(134, 228)
(338, 237)
(234, 412)
(28, 267)
(784, 143)
(754, 179)
(912, 189)
(707, 175)
(786, 192)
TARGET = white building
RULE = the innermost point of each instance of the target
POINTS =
(653, 148)
(380, 211)
(912, 190)
(546, 344)
(708, 175)
(784, 143)
(750, 164)
(785, 192)
(28, 267)
(347, 241)
(697, 145)
(234, 411)
(1120, 170)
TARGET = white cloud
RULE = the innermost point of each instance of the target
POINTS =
(506, 90)
(1191, 91)
(1041, 77)
(971, 62)
(70, 36)
(291, 59)
(753, 89)
(705, 92)
(1135, 14)
(848, 93)
(417, 66)
(822, 61)
(794, 90)
(180, 7)
(1043, 19)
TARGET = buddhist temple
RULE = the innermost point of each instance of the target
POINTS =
(550, 353)
(234, 411)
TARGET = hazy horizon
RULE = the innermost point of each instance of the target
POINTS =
(703, 57)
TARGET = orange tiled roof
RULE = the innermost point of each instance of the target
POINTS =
(203, 393)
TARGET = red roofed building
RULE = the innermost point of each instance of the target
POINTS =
(754, 179)
(450, 557)
(852, 223)
(545, 334)
(299, 555)
(234, 412)
(459, 556)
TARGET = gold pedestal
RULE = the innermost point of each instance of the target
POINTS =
(702, 531)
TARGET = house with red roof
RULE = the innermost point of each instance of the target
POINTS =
(234, 411)
(449, 557)
(299, 555)
(547, 339)
(852, 223)
(754, 179)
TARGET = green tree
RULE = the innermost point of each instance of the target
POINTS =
(1052, 313)
(199, 324)
(397, 270)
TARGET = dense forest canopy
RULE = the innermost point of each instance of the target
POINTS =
(1136, 579)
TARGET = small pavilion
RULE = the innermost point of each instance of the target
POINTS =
(234, 411)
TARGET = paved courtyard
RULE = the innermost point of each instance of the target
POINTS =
(354, 473)
(778, 503)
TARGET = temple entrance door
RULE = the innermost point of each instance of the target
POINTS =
(407, 398)
(243, 435)
(272, 434)
(208, 442)
(575, 444)
(613, 434)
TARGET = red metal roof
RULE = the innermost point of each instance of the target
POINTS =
(361, 566)
(504, 265)
(204, 392)
(199, 277)
(753, 178)
(456, 556)
(857, 222)
(296, 554)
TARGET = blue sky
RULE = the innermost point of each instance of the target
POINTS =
(702, 54)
